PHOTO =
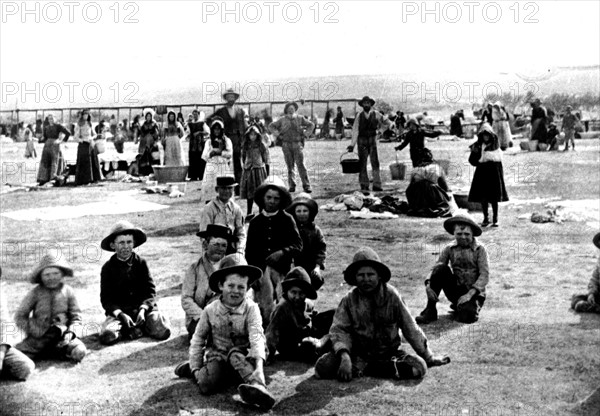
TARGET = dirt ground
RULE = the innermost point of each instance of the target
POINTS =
(528, 355)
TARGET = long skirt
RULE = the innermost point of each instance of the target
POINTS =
(502, 130)
(52, 163)
(144, 142)
(197, 166)
(88, 168)
(173, 151)
(488, 183)
(215, 166)
(427, 199)
(251, 180)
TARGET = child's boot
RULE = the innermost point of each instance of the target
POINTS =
(429, 314)
(256, 393)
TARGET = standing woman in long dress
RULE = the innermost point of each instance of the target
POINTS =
(148, 132)
(488, 185)
(339, 124)
(501, 125)
(173, 132)
(217, 153)
(87, 169)
(51, 163)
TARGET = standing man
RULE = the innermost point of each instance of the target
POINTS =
(366, 126)
(294, 129)
(234, 118)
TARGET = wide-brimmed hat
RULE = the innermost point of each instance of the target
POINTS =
(120, 228)
(260, 192)
(230, 91)
(414, 121)
(570, 108)
(299, 278)
(306, 200)
(596, 240)
(50, 261)
(366, 256)
(225, 182)
(291, 103)
(366, 98)
(233, 263)
(462, 219)
(216, 230)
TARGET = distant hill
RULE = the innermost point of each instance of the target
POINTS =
(439, 90)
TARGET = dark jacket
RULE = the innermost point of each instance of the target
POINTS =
(314, 248)
(234, 127)
(126, 285)
(267, 235)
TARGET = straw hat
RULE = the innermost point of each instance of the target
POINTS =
(233, 263)
(299, 278)
(291, 103)
(464, 219)
(120, 228)
(50, 261)
(230, 91)
(366, 256)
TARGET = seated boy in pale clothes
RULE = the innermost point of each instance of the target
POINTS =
(49, 314)
(223, 210)
(195, 293)
(229, 343)
(462, 272)
(127, 290)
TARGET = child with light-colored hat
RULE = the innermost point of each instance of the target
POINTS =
(127, 290)
(49, 314)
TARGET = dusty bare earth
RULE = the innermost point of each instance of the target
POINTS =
(528, 355)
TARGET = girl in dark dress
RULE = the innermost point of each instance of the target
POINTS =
(339, 124)
(427, 193)
(488, 180)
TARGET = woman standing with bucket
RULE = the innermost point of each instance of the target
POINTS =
(88, 168)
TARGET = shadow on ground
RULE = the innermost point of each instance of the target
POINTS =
(163, 354)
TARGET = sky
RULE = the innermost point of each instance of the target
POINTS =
(160, 44)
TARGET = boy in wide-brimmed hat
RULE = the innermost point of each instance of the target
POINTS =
(365, 331)
(223, 210)
(292, 331)
(461, 271)
(273, 241)
(195, 293)
(314, 249)
(368, 124)
(127, 290)
(229, 342)
(292, 130)
(590, 302)
(50, 313)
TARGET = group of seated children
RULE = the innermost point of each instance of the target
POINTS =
(228, 339)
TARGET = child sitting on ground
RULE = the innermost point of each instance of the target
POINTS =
(591, 301)
(127, 290)
(292, 331)
(256, 159)
(229, 338)
(465, 279)
(49, 314)
(314, 249)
